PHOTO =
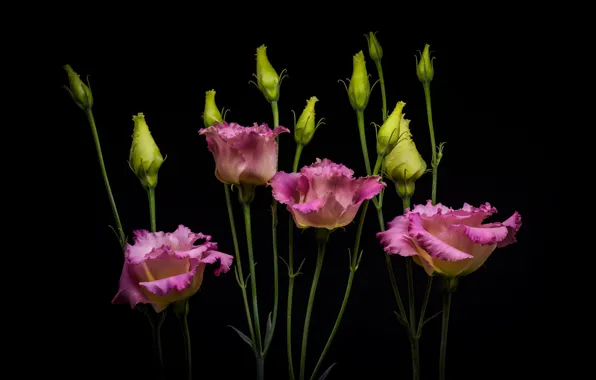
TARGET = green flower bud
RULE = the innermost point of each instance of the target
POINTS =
(404, 165)
(391, 129)
(374, 47)
(145, 158)
(211, 115)
(267, 79)
(305, 126)
(79, 91)
(424, 68)
(359, 90)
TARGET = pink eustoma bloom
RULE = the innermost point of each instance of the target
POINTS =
(162, 268)
(324, 194)
(448, 242)
(243, 155)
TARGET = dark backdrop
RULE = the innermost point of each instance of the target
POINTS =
(163, 69)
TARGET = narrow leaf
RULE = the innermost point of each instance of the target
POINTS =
(244, 337)
(326, 373)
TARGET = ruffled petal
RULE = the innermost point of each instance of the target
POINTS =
(229, 163)
(513, 224)
(484, 235)
(183, 238)
(321, 213)
(285, 187)
(225, 261)
(326, 168)
(367, 188)
(431, 244)
(396, 240)
(128, 290)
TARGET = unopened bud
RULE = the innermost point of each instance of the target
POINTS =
(404, 165)
(391, 129)
(211, 114)
(424, 67)
(359, 90)
(305, 126)
(80, 92)
(374, 47)
(267, 78)
(145, 158)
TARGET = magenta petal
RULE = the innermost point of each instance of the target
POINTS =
(396, 240)
(229, 163)
(368, 188)
(165, 285)
(431, 244)
(513, 225)
(128, 291)
(225, 261)
(485, 235)
(321, 213)
(285, 187)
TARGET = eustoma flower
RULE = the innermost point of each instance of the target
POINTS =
(243, 155)
(324, 194)
(448, 242)
(162, 268)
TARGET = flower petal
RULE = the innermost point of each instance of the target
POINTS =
(285, 187)
(183, 238)
(513, 224)
(229, 163)
(484, 235)
(164, 286)
(128, 290)
(225, 261)
(431, 244)
(396, 239)
(324, 212)
(367, 188)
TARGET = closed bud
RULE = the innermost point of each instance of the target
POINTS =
(211, 114)
(359, 90)
(267, 79)
(305, 126)
(403, 164)
(374, 47)
(145, 158)
(424, 67)
(80, 92)
(391, 129)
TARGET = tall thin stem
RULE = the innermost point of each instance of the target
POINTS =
(151, 195)
(311, 299)
(363, 145)
(104, 173)
(291, 274)
(253, 280)
(238, 262)
(435, 164)
(383, 94)
(181, 309)
(444, 329)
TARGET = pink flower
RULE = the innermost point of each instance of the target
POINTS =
(324, 195)
(243, 155)
(446, 241)
(161, 268)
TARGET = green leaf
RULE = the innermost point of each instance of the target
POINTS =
(244, 337)
(326, 373)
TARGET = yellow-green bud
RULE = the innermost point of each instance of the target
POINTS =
(374, 47)
(305, 126)
(79, 91)
(424, 68)
(267, 78)
(404, 165)
(211, 114)
(391, 129)
(145, 158)
(359, 90)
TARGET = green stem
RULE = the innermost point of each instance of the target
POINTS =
(156, 333)
(415, 348)
(151, 194)
(182, 312)
(292, 275)
(313, 289)
(431, 128)
(275, 111)
(104, 173)
(360, 115)
(260, 368)
(253, 280)
(444, 328)
(383, 95)
(238, 262)
(429, 284)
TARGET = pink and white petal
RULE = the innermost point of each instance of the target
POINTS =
(145, 243)
(279, 130)
(284, 187)
(162, 266)
(481, 254)
(396, 240)
(513, 224)
(183, 238)
(367, 188)
(348, 215)
(484, 235)
(260, 155)
(225, 261)
(128, 290)
(429, 209)
(321, 213)
(474, 216)
(166, 285)
(435, 247)
(340, 186)
(326, 168)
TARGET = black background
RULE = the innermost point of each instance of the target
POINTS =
(497, 327)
